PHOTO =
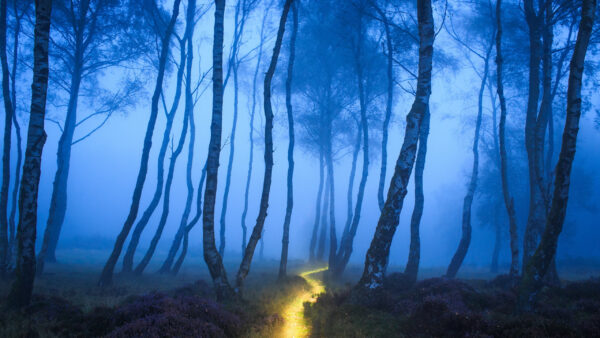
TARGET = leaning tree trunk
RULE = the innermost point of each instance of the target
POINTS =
(211, 255)
(264, 200)
(465, 240)
(189, 108)
(378, 254)
(346, 245)
(508, 200)
(107, 272)
(414, 251)
(166, 199)
(290, 174)
(388, 107)
(315, 232)
(22, 287)
(158, 191)
(8, 117)
(540, 262)
(350, 207)
(190, 226)
(251, 137)
(58, 202)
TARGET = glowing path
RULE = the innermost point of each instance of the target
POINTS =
(295, 325)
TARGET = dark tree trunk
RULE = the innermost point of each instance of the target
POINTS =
(264, 200)
(465, 240)
(22, 287)
(107, 272)
(8, 121)
(290, 174)
(540, 262)
(332, 234)
(15, 193)
(58, 202)
(378, 254)
(346, 245)
(537, 209)
(497, 242)
(141, 224)
(508, 200)
(350, 207)
(315, 232)
(323, 232)
(251, 155)
(414, 251)
(189, 108)
(211, 255)
(388, 107)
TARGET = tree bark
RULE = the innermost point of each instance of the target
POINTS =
(378, 254)
(350, 207)
(323, 232)
(107, 272)
(264, 200)
(465, 241)
(8, 120)
(22, 287)
(290, 174)
(211, 255)
(497, 242)
(540, 262)
(414, 251)
(508, 199)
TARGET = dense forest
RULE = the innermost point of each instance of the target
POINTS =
(295, 168)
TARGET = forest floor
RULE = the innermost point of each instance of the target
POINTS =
(67, 303)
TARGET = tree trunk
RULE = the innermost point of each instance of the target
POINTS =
(211, 255)
(378, 254)
(189, 110)
(414, 251)
(166, 199)
(8, 117)
(22, 287)
(537, 212)
(388, 107)
(264, 200)
(350, 207)
(15, 193)
(141, 224)
(465, 241)
(348, 237)
(332, 234)
(313, 256)
(58, 202)
(497, 242)
(107, 272)
(323, 232)
(251, 155)
(508, 200)
(290, 174)
(540, 262)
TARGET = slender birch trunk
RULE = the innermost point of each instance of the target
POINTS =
(264, 201)
(290, 174)
(211, 255)
(508, 199)
(537, 267)
(107, 272)
(465, 241)
(323, 232)
(378, 254)
(313, 256)
(22, 287)
(414, 251)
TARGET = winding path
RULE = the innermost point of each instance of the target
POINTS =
(295, 325)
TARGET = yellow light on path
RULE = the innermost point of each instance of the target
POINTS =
(295, 325)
